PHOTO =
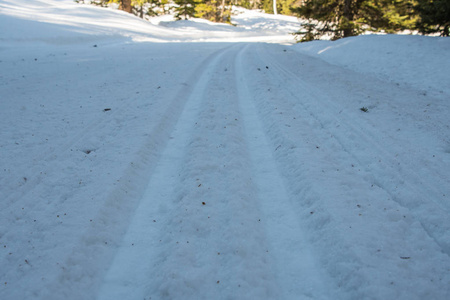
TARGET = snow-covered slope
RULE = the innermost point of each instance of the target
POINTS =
(417, 62)
(35, 21)
(137, 164)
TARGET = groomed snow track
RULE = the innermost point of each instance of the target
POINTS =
(254, 176)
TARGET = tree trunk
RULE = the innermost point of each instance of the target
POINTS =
(222, 10)
(275, 7)
(348, 14)
(125, 5)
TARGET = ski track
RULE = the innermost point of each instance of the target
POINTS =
(250, 210)
(247, 185)
(98, 230)
(171, 228)
(298, 122)
(131, 187)
(231, 171)
(387, 170)
(298, 270)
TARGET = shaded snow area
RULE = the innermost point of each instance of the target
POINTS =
(192, 160)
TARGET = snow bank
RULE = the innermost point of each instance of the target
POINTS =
(64, 21)
(419, 62)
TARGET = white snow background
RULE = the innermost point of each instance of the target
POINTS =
(192, 160)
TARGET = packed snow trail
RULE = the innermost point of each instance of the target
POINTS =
(236, 209)
(220, 194)
(238, 173)
(219, 170)
(105, 177)
(368, 188)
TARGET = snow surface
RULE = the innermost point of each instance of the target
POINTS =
(192, 160)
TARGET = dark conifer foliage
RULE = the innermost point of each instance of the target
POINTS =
(343, 18)
(336, 18)
(434, 16)
(214, 10)
(185, 9)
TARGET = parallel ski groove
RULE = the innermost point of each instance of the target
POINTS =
(390, 172)
(124, 199)
(298, 271)
(324, 198)
(194, 186)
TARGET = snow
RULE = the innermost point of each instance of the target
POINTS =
(416, 62)
(193, 160)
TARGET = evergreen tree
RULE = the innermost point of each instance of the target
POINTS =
(434, 16)
(335, 16)
(248, 4)
(138, 7)
(185, 9)
(214, 10)
(208, 10)
(388, 15)
(282, 6)
(343, 18)
(306, 32)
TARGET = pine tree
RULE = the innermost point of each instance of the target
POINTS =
(248, 4)
(214, 10)
(343, 18)
(336, 17)
(279, 6)
(388, 15)
(306, 33)
(145, 7)
(137, 7)
(434, 16)
(208, 10)
(185, 9)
